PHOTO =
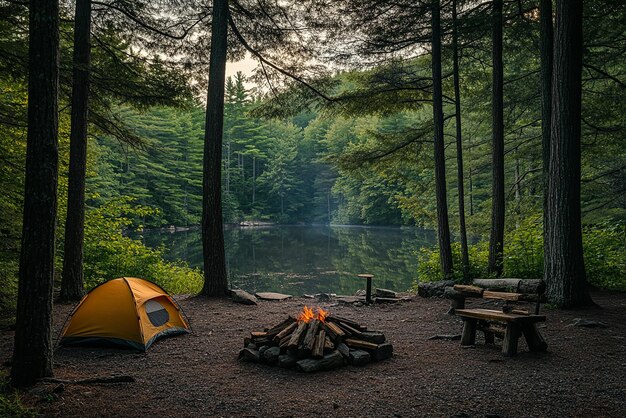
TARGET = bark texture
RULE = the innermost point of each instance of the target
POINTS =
(546, 35)
(496, 241)
(215, 276)
(564, 267)
(443, 227)
(32, 354)
(459, 144)
(72, 277)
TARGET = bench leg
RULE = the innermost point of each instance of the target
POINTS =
(469, 331)
(534, 339)
(511, 337)
(489, 336)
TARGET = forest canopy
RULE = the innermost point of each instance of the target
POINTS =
(345, 138)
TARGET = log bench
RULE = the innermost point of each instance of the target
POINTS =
(508, 323)
(514, 326)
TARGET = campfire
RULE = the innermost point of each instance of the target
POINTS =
(315, 340)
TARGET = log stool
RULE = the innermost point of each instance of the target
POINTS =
(368, 289)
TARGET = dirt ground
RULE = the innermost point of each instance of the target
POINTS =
(582, 374)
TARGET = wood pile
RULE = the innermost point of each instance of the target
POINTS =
(314, 342)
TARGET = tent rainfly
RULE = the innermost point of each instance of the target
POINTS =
(126, 312)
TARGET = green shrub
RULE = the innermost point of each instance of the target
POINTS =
(10, 403)
(604, 252)
(605, 255)
(8, 290)
(429, 265)
(110, 254)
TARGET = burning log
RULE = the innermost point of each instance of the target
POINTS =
(315, 341)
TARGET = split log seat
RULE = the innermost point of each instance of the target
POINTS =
(514, 326)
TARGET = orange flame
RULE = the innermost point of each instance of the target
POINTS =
(307, 314)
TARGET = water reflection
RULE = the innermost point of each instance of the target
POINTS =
(308, 259)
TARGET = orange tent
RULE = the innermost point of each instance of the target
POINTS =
(126, 312)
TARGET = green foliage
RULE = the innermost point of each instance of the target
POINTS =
(110, 254)
(8, 290)
(605, 255)
(429, 265)
(604, 252)
(10, 402)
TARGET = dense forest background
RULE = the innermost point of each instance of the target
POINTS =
(363, 158)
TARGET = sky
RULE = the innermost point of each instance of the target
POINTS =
(246, 65)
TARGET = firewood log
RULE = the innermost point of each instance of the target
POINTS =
(328, 344)
(350, 331)
(278, 328)
(309, 338)
(360, 344)
(334, 330)
(294, 342)
(318, 346)
(287, 331)
(353, 324)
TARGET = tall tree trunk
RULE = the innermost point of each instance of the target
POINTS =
(564, 266)
(443, 228)
(459, 143)
(545, 45)
(253, 180)
(228, 167)
(32, 353)
(496, 241)
(215, 276)
(471, 180)
(72, 277)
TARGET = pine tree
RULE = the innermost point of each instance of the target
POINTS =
(32, 353)
(564, 267)
(215, 275)
(72, 287)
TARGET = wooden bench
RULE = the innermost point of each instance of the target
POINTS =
(515, 326)
(508, 323)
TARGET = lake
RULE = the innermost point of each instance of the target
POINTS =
(307, 259)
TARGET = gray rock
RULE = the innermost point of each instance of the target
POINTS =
(243, 297)
(250, 355)
(262, 350)
(385, 293)
(344, 350)
(323, 297)
(433, 289)
(287, 361)
(270, 356)
(384, 351)
(359, 357)
(272, 296)
(329, 362)
(360, 292)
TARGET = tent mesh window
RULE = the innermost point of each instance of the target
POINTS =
(157, 314)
